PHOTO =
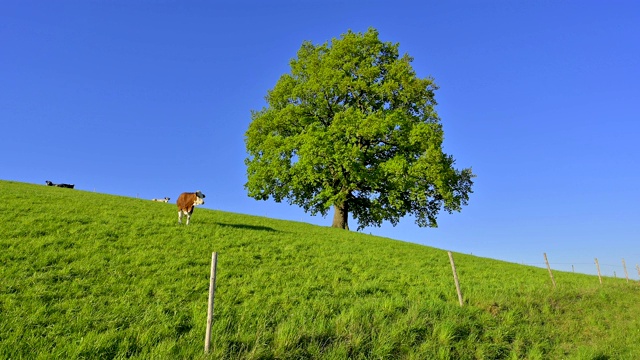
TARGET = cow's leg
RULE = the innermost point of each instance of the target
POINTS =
(179, 216)
(188, 218)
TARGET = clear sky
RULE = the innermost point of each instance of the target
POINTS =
(150, 98)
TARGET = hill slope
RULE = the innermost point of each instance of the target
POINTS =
(87, 275)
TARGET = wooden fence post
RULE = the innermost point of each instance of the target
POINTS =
(549, 268)
(598, 267)
(212, 291)
(624, 266)
(455, 278)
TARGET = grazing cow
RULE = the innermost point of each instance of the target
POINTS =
(186, 203)
(69, 186)
(165, 200)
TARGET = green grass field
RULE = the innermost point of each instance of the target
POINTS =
(94, 276)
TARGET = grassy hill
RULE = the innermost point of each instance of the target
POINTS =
(94, 276)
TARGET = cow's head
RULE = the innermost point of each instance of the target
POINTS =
(199, 198)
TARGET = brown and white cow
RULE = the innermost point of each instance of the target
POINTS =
(186, 203)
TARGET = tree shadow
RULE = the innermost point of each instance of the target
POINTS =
(247, 227)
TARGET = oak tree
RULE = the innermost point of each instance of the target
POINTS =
(352, 127)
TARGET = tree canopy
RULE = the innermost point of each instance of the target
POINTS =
(352, 127)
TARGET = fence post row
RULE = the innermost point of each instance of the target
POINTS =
(624, 266)
(455, 278)
(599, 275)
(212, 291)
(212, 288)
(549, 268)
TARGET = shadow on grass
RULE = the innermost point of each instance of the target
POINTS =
(247, 227)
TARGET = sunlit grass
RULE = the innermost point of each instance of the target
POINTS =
(87, 275)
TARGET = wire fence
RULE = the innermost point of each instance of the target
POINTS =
(630, 271)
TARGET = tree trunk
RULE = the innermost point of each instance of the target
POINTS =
(341, 216)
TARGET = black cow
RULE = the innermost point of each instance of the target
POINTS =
(69, 186)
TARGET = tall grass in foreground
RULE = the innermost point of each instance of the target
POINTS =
(95, 276)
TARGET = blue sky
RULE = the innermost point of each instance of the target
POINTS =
(151, 98)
